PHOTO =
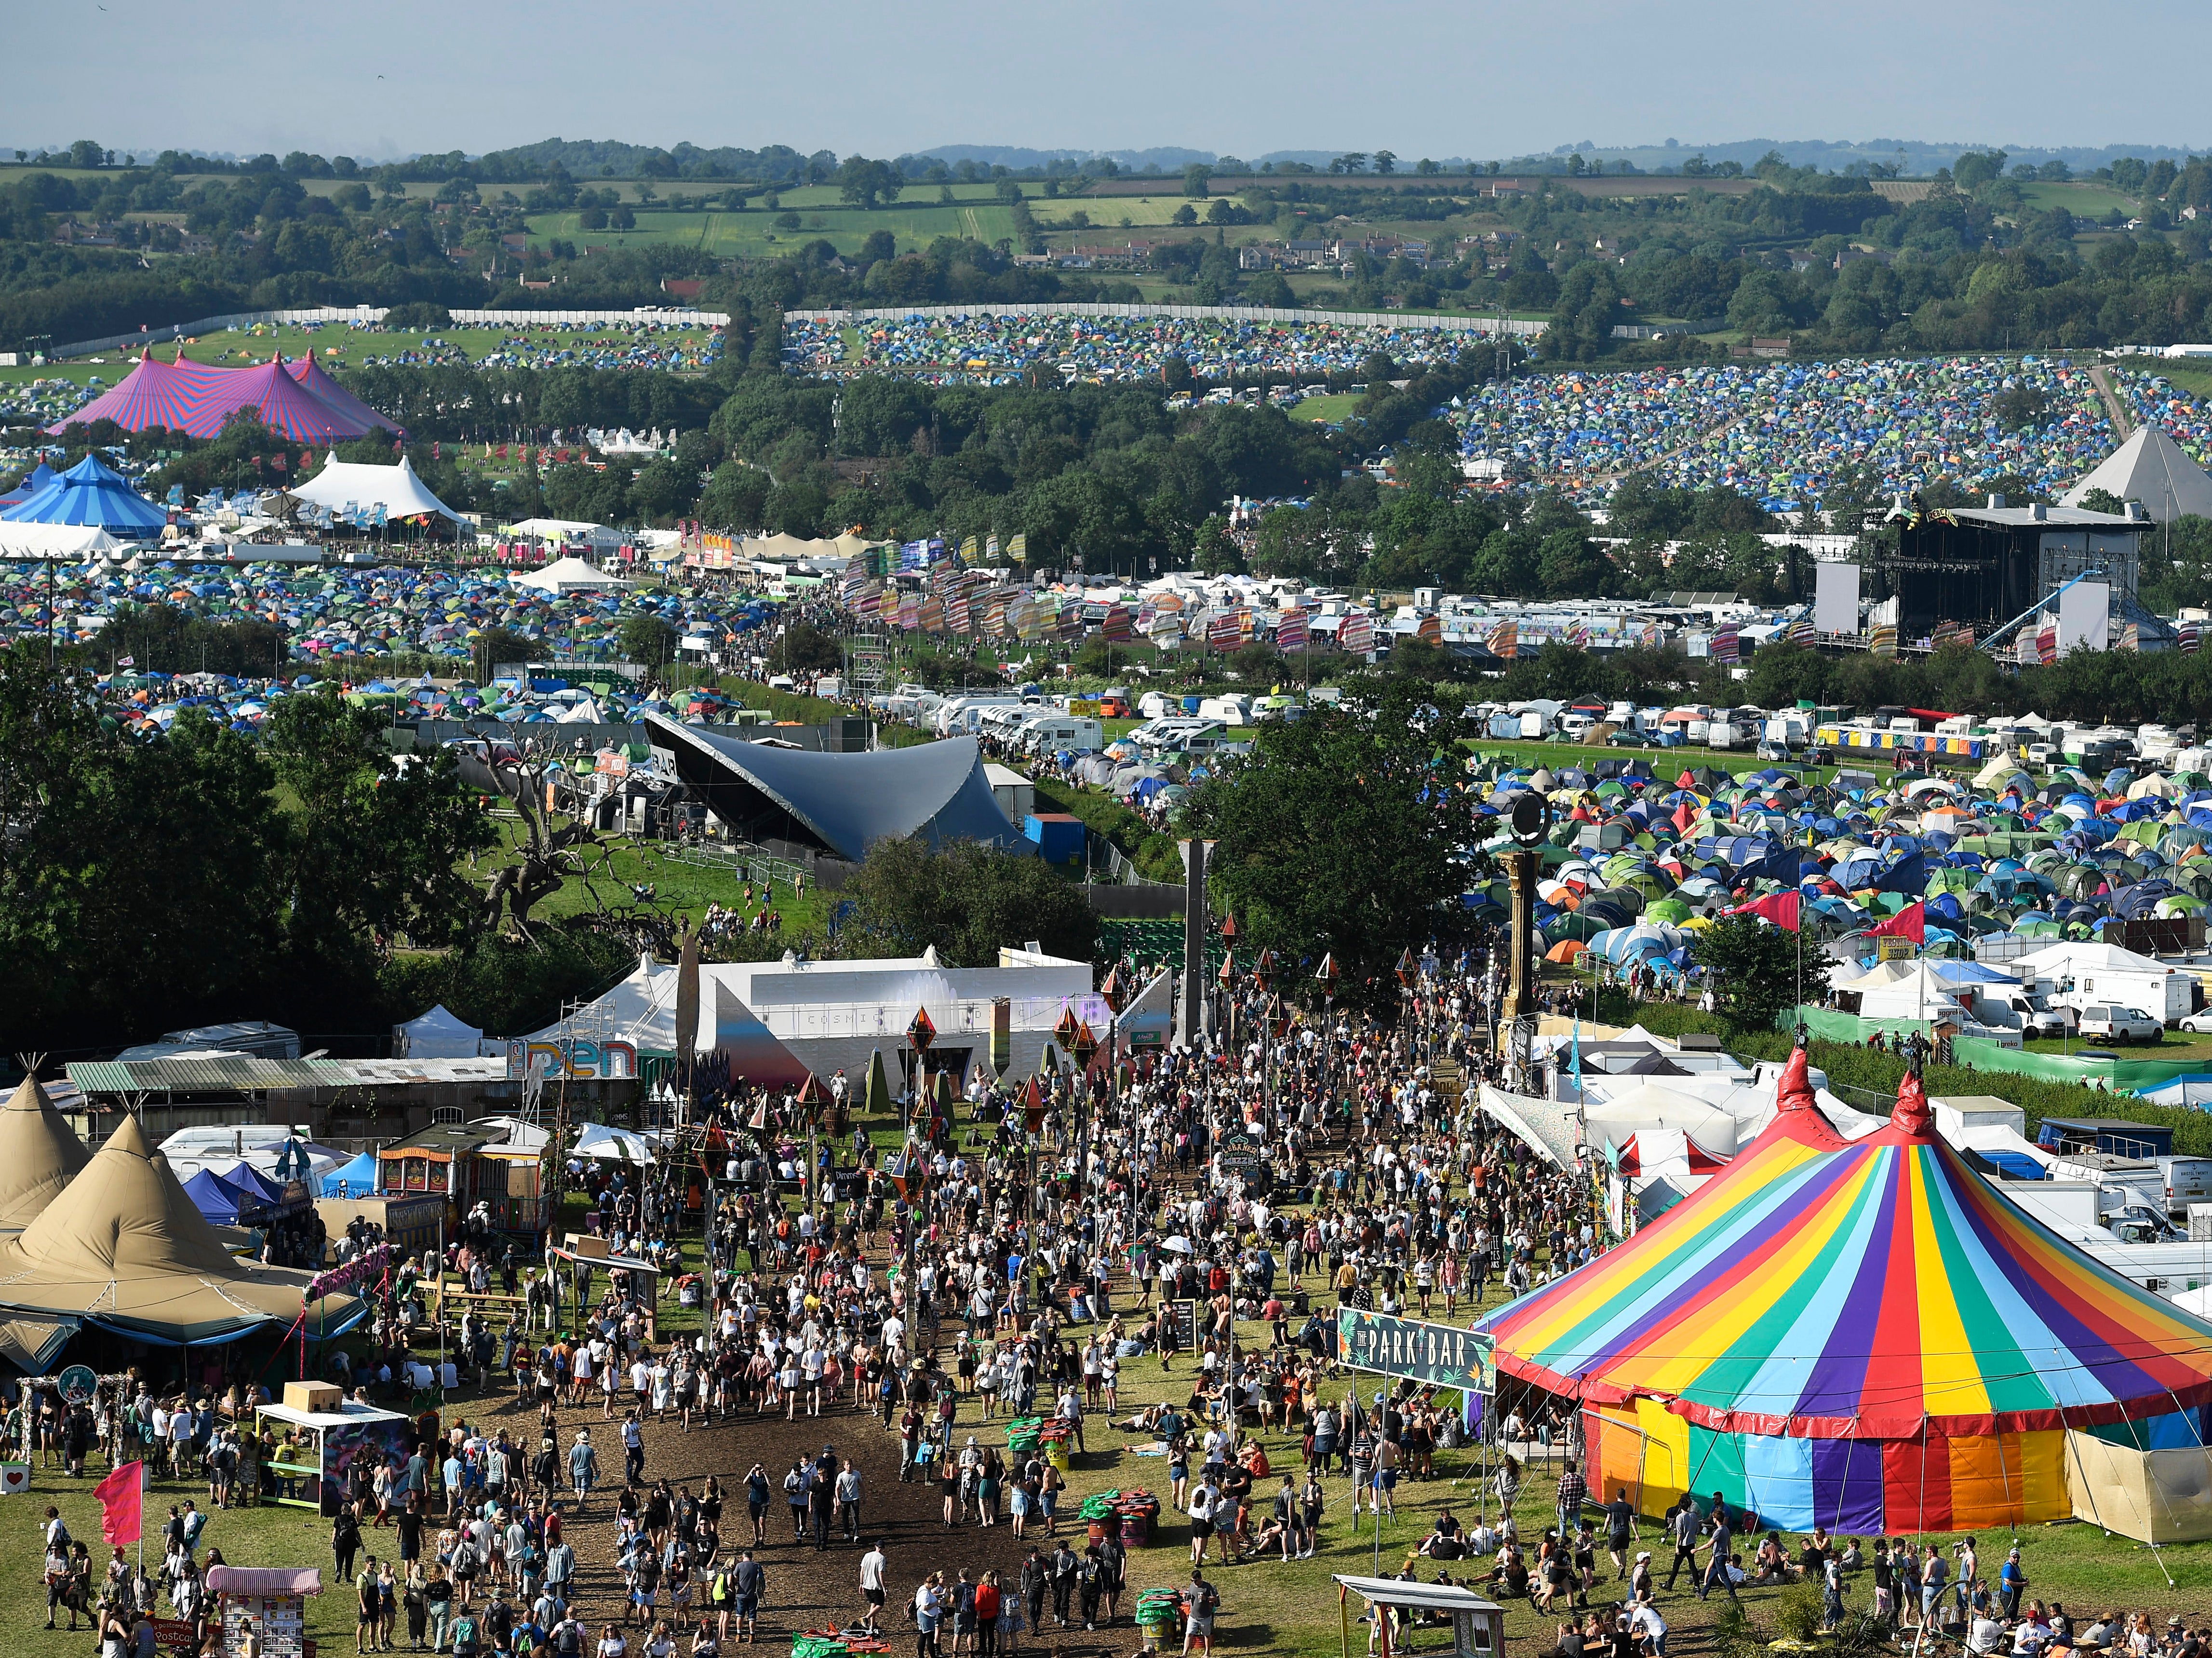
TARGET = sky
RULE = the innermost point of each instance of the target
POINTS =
(1443, 78)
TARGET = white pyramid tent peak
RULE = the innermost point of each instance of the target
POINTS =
(2152, 468)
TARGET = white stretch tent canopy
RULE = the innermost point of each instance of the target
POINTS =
(69, 541)
(437, 1034)
(571, 575)
(399, 490)
(614, 1144)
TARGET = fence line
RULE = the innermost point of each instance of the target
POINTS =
(1462, 325)
(175, 331)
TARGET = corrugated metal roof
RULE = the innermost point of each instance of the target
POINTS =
(233, 1074)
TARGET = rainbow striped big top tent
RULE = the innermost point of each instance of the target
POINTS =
(299, 401)
(1865, 1334)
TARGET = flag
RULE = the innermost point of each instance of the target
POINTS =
(1018, 548)
(1882, 642)
(1727, 646)
(1908, 875)
(1780, 908)
(2188, 640)
(1291, 633)
(1356, 633)
(2046, 641)
(1115, 626)
(968, 551)
(126, 661)
(122, 1502)
(2130, 637)
(1910, 922)
(991, 546)
(14, 1478)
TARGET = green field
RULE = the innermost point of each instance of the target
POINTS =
(2090, 201)
(334, 344)
(754, 232)
(1337, 406)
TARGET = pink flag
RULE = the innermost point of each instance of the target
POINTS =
(122, 1499)
(1910, 922)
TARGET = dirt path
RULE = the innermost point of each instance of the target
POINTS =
(806, 1588)
(2115, 408)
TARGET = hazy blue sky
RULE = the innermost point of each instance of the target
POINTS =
(1470, 77)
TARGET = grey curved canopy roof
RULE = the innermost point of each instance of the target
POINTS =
(842, 803)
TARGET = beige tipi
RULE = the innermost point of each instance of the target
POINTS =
(123, 1244)
(39, 1153)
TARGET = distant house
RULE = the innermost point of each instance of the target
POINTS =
(685, 288)
(516, 242)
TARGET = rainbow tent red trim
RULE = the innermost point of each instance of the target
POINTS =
(1878, 1288)
(298, 400)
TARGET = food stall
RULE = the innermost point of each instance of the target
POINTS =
(464, 1164)
(319, 1434)
(267, 1604)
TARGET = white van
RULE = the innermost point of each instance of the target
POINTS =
(1235, 709)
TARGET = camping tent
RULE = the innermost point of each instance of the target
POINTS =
(39, 1154)
(1866, 1334)
(437, 1034)
(2152, 468)
(399, 490)
(124, 1247)
(90, 494)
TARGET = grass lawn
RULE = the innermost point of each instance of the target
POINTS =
(2197, 382)
(1335, 405)
(2171, 1045)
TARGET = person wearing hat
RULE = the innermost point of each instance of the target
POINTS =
(1641, 1586)
(2012, 1580)
(583, 1465)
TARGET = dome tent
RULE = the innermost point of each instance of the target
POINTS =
(39, 1154)
(1865, 1335)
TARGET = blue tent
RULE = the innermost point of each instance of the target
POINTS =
(355, 1179)
(216, 1198)
(89, 493)
(252, 1185)
(41, 475)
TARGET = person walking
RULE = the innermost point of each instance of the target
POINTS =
(875, 1569)
(583, 1466)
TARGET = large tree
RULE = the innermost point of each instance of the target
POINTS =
(966, 899)
(1341, 835)
(1759, 969)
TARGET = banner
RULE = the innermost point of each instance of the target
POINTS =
(1437, 1354)
(122, 1504)
(1356, 633)
(1291, 631)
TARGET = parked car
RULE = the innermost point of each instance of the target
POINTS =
(1630, 740)
(2118, 1024)
(2200, 1022)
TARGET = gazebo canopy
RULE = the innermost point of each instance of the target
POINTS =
(1878, 1288)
